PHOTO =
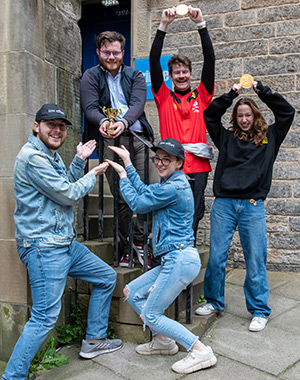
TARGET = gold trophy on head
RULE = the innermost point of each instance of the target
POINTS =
(111, 114)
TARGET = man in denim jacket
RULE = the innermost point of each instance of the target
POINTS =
(45, 193)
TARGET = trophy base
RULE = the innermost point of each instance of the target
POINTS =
(110, 131)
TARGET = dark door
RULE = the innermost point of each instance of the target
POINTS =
(96, 18)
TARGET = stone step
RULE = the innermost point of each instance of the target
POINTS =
(126, 323)
(103, 249)
(108, 226)
(108, 205)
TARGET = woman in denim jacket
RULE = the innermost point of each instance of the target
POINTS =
(172, 206)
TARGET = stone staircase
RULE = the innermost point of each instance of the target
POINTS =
(126, 323)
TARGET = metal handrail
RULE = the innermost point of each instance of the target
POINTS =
(189, 288)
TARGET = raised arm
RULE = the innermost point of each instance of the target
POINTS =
(282, 110)
(167, 17)
(208, 70)
(214, 112)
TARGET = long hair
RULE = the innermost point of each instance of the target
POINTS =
(260, 127)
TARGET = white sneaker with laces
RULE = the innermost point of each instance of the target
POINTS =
(206, 309)
(258, 323)
(195, 360)
(157, 347)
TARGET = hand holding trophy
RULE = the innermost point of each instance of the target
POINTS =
(111, 114)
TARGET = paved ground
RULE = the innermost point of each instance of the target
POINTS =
(273, 353)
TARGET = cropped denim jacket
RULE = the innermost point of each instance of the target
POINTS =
(172, 205)
(45, 192)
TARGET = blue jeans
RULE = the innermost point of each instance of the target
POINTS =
(48, 270)
(152, 293)
(226, 214)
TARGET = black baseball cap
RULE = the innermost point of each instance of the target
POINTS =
(51, 112)
(171, 146)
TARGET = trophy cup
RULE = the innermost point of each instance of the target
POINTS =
(111, 114)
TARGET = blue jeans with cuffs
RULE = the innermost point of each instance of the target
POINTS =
(152, 293)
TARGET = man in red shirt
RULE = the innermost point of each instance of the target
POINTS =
(181, 111)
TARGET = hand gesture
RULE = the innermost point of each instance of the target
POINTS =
(100, 169)
(118, 168)
(167, 17)
(122, 153)
(195, 14)
(84, 151)
(237, 88)
(103, 128)
(254, 84)
(118, 127)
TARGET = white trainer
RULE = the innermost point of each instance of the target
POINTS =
(195, 360)
(206, 309)
(258, 323)
(157, 347)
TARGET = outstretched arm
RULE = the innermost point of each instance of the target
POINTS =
(208, 70)
(124, 154)
(214, 112)
(167, 17)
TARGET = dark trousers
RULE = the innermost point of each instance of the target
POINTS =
(198, 184)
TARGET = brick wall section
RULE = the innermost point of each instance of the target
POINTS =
(261, 38)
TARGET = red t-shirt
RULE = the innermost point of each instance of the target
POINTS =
(181, 117)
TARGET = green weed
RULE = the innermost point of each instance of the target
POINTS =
(201, 299)
(47, 358)
(72, 333)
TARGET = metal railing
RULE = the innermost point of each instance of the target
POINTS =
(147, 146)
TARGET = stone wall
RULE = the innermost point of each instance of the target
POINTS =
(40, 60)
(249, 36)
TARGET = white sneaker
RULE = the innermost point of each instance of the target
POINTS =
(258, 323)
(157, 347)
(206, 309)
(195, 360)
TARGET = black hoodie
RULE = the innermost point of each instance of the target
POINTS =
(243, 169)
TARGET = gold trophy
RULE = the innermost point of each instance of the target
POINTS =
(111, 114)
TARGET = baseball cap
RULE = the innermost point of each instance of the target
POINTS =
(51, 112)
(171, 146)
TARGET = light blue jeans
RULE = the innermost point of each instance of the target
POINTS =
(152, 293)
(48, 270)
(250, 218)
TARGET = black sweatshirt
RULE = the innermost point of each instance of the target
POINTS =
(244, 170)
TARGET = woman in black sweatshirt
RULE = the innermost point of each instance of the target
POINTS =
(243, 176)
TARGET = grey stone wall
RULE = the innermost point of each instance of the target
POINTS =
(261, 38)
(40, 60)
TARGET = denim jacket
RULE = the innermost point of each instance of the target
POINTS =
(172, 206)
(45, 192)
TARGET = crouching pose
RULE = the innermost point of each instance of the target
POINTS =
(172, 205)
